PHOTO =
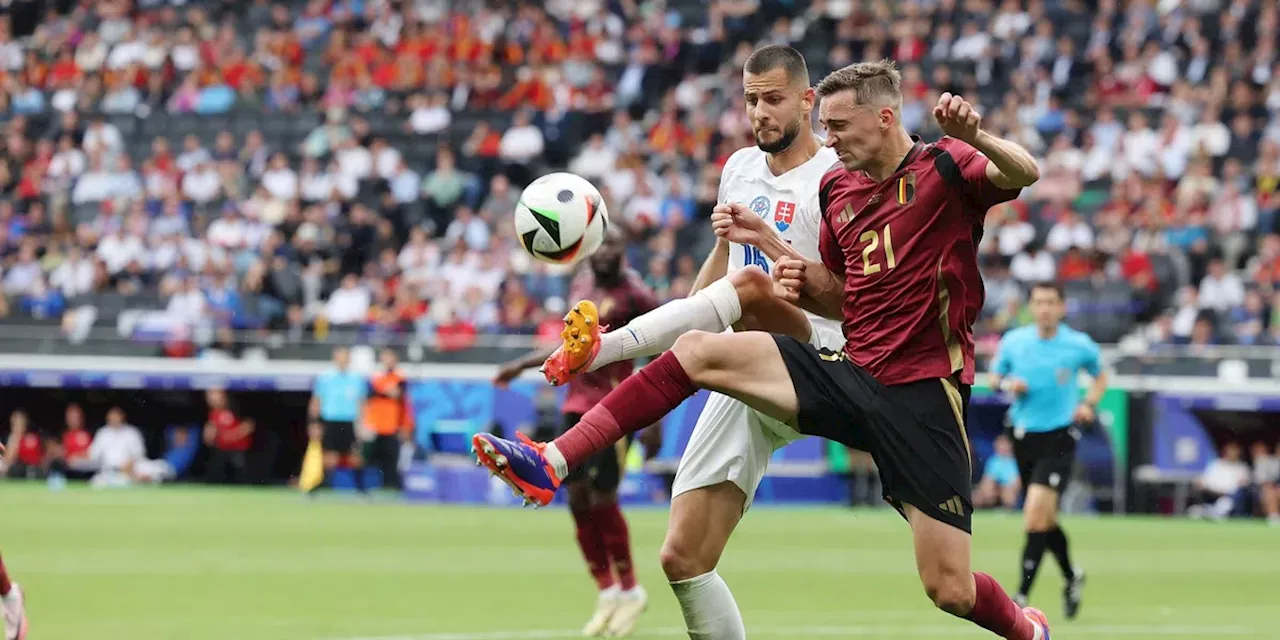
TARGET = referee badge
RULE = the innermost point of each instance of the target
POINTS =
(906, 188)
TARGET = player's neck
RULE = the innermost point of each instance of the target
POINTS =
(1047, 333)
(895, 150)
(800, 152)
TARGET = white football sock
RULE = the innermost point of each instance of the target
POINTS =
(714, 308)
(710, 612)
(558, 463)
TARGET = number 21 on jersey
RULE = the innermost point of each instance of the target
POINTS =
(870, 256)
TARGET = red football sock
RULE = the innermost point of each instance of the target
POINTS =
(592, 542)
(617, 539)
(995, 611)
(638, 402)
(5, 585)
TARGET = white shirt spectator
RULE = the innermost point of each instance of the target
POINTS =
(105, 137)
(202, 185)
(188, 307)
(67, 164)
(355, 162)
(347, 306)
(430, 119)
(118, 250)
(1225, 477)
(594, 161)
(1266, 470)
(1013, 236)
(1215, 136)
(126, 53)
(187, 160)
(473, 231)
(1221, 293)
(282, 184)
(521, 144)
(73, 277)
(1141, 150)
(1028, 268)
(386, 162)
(316, 187)
(1067, 234)
(22, 277)
(1233, 211)
(116, 447)
(228, 232)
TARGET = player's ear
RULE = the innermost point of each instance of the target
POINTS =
(809, 98)
(887, 117)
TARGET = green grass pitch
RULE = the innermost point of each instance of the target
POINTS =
(196, 564)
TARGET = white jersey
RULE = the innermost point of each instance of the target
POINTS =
(789, 203)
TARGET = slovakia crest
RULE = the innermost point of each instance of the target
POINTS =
(783, 215)
(760, 205)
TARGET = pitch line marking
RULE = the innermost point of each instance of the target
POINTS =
(834, 631)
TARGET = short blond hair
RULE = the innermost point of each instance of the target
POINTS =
(872, 83)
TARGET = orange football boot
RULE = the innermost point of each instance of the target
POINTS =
(581, 343)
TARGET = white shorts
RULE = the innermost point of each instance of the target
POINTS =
(732, 442)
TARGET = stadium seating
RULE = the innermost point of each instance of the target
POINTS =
(1121, 108)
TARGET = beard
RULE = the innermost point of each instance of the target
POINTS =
(789, 135)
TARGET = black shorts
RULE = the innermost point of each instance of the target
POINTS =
(915, 432)
(603, 471)
(339, 437)
(1046, 458)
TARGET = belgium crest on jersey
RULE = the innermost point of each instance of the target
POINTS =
(906, 188)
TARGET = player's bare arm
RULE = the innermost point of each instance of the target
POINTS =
(714, 267)
(1010, 166)
(810, 285)
(511, 370)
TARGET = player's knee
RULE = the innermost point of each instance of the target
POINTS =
(752, 285)
(697, 353)
(952, 592)
(681, 560)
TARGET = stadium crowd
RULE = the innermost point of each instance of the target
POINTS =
(297, 166)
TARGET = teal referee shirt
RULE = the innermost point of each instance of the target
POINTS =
(1050, 368)
(341, 394)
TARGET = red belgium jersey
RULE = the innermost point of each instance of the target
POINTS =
(908, 250)
(618, 306)
(75, 443)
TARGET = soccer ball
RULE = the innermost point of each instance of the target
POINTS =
(561, 218)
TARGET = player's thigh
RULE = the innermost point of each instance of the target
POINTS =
(922, 450)
(747, 366)
(1040, 508)
(731, 442)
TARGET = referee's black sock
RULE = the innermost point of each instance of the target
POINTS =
(1031, 555)
(1057, 542)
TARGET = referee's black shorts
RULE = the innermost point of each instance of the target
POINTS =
(1046, 458)
(339, 436)
(914, 431)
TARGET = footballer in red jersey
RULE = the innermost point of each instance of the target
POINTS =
(899, 267)
(618, 295)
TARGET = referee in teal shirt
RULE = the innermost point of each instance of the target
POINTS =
(337, 397)
(1039, 365)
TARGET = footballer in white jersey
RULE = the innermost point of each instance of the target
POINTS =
(732, 442)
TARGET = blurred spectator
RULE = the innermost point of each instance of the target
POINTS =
(229, 438)
(121, 456)
(24, 455)
(1221, 485)
(1266, 481)
(1000, 485)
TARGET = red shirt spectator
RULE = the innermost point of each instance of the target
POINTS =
(225, 430)
(31, 449)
